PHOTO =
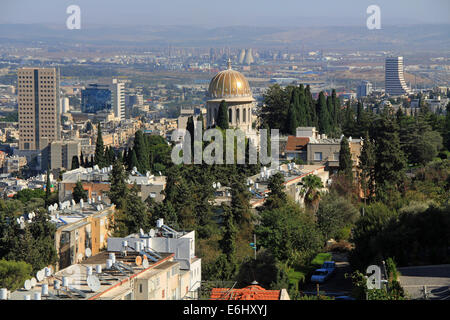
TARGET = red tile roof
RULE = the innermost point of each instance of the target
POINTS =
(252, 292)
(296, 144)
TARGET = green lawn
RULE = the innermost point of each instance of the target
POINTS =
(321, 258)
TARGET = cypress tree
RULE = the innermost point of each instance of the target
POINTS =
(324, 116)
(75, 163)
(291, 125)
(366, 165)
(391, 162)
(133, 160)
(78, 192)
(228, 242)
(345, 159)
(82, 159)
(99, 149)
(142, 152)
(190, 128)
(119, 190)
(48, 191)
(222, 116)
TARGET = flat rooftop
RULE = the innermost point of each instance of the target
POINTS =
(109, 278)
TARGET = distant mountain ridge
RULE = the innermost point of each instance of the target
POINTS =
(420, 37)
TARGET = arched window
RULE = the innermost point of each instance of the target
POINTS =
(230, 115)
(244, 115)
(238, 114)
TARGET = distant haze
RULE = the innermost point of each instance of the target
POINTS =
(213, 13)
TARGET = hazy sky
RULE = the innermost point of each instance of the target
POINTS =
(212, 13)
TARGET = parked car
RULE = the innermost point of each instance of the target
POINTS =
(320, 275)
(344, 298)
(330, 266)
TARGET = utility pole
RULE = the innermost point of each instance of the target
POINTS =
(254, 239)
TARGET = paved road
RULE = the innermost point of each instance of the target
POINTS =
(436, 278)
(337, 283)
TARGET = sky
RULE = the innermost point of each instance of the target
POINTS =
(215, 13)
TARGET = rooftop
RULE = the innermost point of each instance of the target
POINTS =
(110, 280)
(252, 292)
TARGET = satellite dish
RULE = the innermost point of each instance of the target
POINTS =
(93, 283)
(145, 263)
(33, 282)
(40, 276)
(27, 285)
(138, 260)
(88, 252)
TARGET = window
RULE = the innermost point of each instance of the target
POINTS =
(162, 294)
(317, 156)
(336, 156)
(140, 288)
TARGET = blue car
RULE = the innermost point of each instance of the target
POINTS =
(320, 275)
(330, 266)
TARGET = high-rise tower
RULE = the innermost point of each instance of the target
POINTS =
(38, 107)
(118, 98)
(395, 84)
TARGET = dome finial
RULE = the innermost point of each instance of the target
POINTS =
(229, 63)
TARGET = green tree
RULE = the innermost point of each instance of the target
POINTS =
(310, 190)
(390, 163)
(222, 116)
(366, 166)
(228, 241)
(99, 158)
(334, 214)
(324, 116)
(289, 234)
(277, 197)
(79, 192)
(13, 274)
(119, 191)
(345, 159)
(48, 191)
(75, 163)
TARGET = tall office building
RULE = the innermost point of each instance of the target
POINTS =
(39, 107)
(395, 84)
(118, 98)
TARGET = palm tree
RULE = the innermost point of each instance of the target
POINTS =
(311, 185)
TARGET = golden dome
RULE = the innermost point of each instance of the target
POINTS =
(229, 84)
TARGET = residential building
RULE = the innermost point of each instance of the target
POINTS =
(96, 182)
(62, 153)
(80, 227)
(165, 240)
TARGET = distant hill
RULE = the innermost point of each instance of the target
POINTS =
(407, 37)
